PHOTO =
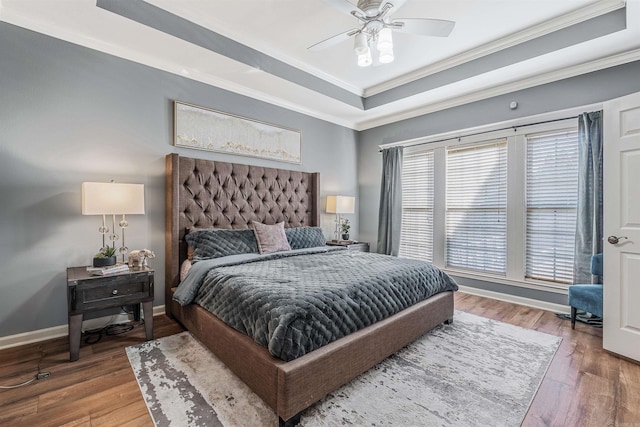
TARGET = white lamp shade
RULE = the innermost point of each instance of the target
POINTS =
(386, 56)
(385, 39)
(361, 44)
(111, 198)
(366, 59)
(341, 204)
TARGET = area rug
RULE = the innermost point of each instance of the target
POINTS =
(474, 372)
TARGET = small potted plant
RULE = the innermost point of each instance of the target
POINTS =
(344, 228)
(106, 257)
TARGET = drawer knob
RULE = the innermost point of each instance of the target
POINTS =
(115, 292)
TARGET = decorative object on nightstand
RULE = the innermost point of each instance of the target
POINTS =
(87, 292)
(340, 205)
(111, 198)
(106, 257)
(138, 257)
(344, 228)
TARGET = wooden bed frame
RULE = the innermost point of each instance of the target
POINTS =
(205, 194)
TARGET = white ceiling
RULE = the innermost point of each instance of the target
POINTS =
(283, 29)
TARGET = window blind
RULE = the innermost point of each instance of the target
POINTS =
(476, 215)
(552, 191)
(416, 235)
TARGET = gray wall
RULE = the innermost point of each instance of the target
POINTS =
(573, 92)
(69, 114)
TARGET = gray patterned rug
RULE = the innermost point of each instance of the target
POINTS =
(474, 372)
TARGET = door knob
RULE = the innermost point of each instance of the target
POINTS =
(614, 239)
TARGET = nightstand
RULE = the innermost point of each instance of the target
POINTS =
(87, 293)
(352, 246)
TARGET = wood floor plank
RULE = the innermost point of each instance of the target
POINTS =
(629, 395)
(565, 367)
(550, 406)
(593, 402)
(135, 413)
(596, 361)
(81, 422)
(142, 421)
(72, 393)
(83, 407)
(15, 411)
(584, 386)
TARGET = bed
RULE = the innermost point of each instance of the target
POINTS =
(203, 194)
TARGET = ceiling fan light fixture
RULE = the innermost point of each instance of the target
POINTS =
(365, 59)
(361, 46)
(385, 40)
(386, 56)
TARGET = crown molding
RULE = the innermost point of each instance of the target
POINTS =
(57, 31)
(552, 76)
(268, 50)
(585, 13)
(444, 138)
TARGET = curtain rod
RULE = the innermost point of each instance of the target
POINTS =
(488, 131)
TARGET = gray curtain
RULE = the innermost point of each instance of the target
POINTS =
(589, 221)
(390, 214)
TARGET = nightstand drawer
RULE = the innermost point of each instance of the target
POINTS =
(93, 292)
(101, 294)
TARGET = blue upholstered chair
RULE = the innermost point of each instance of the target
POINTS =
(587, 297)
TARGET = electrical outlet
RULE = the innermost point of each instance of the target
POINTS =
(43, 375)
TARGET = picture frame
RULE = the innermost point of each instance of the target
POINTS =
(206, 129)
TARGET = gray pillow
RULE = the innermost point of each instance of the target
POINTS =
(216, 243)
(305, 237)
(271, 238)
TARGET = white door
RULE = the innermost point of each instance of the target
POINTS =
(621, 321)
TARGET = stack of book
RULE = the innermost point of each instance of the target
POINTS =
(106, 271)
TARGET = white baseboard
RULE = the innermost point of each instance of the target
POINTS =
(63, 330)
(529, 302)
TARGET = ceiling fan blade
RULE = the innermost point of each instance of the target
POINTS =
(424, 27)
(345, 7)
(331, 41)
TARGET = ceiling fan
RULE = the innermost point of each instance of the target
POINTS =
(376, 28)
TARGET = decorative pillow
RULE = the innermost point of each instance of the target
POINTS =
(271, 238)
(216, 243)
(191, 230)
(305, 237)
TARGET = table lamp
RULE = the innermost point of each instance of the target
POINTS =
(111, 198)
(340, 205)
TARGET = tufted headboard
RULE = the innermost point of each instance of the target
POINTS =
(206, 193)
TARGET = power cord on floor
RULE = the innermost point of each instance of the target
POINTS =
(37, 376)
(18, 385)
(95, 335)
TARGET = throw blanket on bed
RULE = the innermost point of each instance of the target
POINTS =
(293, 303)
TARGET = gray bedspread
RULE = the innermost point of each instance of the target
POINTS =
(295, 302)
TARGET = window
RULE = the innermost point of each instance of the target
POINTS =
(477, 207)
(552, 197)
(499, 206)
(416, 237)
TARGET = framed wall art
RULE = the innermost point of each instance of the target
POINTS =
(205, 129)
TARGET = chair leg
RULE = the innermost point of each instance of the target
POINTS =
(573, 317)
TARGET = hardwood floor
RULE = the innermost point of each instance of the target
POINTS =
(584, 386)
